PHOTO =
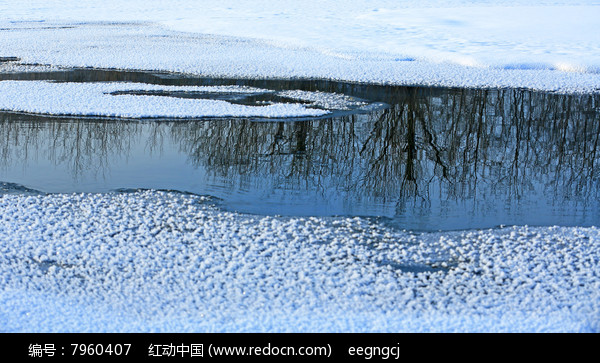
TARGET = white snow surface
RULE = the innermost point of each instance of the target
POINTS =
(324, 99)
(97, 99)
(542, 44)
(163, 261)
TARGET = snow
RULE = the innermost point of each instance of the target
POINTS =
(163, 261)
(545, 45)
(99, 99)
(325, 100)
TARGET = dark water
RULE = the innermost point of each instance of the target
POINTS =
(435, 159)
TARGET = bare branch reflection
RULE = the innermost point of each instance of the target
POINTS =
(430, 147)
(81, 146)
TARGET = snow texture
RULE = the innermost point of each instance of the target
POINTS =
(325, 100)
(104, 99)
(545, 45)
(163, 261)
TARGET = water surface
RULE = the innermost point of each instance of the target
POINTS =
(434, 159)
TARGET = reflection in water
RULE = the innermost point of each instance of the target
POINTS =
(75, 147)
(436, 159)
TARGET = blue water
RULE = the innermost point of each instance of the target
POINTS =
(435, 159)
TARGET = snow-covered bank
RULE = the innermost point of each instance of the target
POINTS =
(543, 45)
(158, 261)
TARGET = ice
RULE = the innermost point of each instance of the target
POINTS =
(325, 100)
(110, 99)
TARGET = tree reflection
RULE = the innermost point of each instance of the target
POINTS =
(429, 145)
(462, 144)
(81, 146)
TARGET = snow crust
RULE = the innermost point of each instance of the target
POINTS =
(99, 99)
(545, 45)
(163, 261)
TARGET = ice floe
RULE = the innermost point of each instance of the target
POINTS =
(114, 99)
